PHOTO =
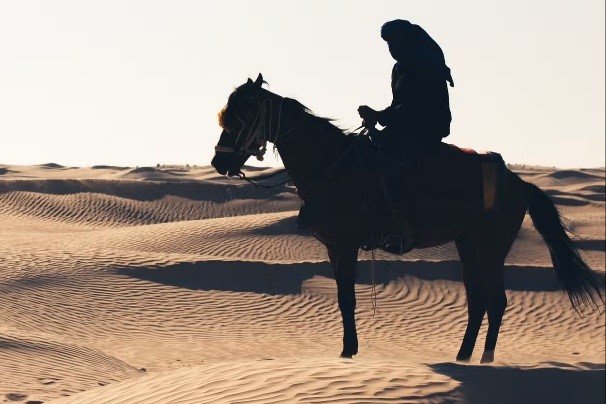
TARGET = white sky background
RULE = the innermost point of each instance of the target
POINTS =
(140, 82)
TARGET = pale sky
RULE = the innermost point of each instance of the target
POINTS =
(140, 82)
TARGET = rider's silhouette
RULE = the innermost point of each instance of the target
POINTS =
(419, 115)
(417, 119)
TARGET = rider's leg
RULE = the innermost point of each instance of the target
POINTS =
(401, 235)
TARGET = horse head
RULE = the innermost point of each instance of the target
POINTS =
(245, 127)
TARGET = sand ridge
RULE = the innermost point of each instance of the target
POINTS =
(172, 284)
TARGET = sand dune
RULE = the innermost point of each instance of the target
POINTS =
(174, 285)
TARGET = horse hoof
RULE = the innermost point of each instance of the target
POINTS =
(348, 354)
(487, 357)
(463, 359)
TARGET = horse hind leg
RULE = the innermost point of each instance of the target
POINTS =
(476, 307)
(497, 244)
(483, 270)
(487, 251)
(497, 303)
(478, 304)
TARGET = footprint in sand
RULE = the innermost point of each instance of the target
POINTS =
(15, 396)
(48, 380)
(20, 397)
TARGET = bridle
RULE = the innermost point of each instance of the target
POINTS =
(255, 139)
(259, 133)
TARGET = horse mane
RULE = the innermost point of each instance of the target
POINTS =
(221, 117)
(326, 123)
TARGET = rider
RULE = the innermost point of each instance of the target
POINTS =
(419, 115)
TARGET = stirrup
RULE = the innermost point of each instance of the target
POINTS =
(398, 243)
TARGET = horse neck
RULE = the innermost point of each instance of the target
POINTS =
(310, 148)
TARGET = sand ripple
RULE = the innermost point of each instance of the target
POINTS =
(209, 287)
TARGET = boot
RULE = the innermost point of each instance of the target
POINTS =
(401, 236)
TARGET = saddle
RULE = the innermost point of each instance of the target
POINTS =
(462, 181)
(448, 187)
(469, 182)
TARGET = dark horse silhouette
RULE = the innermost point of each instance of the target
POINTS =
(314, 152)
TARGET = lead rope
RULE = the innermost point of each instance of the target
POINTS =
(373, 297)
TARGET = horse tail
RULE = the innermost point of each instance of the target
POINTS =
(574, 276)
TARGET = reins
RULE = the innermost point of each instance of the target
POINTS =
(373, 295)
(242, 176)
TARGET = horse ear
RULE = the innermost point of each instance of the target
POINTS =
(259, 80)
(249, 82)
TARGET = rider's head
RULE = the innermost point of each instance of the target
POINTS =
(409, 44)
(400, 37)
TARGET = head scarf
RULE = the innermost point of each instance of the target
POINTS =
(428, 53)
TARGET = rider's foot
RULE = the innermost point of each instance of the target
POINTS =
(400, 242)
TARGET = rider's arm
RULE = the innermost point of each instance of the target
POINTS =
(391, 114)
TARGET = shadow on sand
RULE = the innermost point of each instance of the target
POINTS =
(278, 279)
(197, 190)
(496, 385)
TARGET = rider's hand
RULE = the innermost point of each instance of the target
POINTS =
(368, 115)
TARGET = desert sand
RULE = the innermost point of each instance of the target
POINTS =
(174, 285)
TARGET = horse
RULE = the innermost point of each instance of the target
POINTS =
(314, 153)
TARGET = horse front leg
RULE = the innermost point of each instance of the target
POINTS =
(343, 259)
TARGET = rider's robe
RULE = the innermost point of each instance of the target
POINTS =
(419, 115)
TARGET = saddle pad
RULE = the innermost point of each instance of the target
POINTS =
(494, 173)
(457, 182)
